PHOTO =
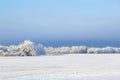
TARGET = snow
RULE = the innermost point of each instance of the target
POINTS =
(61, 67)
(82, 50)
(26, 48)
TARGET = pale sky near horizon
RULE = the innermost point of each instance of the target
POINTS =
(59, 19)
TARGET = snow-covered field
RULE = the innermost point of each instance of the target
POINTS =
(62, 67)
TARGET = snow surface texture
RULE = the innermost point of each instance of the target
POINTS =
(28, 48)
(64, 67)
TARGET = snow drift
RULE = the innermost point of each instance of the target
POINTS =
(27, 48)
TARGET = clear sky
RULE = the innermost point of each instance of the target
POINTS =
(59, 19)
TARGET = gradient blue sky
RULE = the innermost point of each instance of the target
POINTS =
(59, 19)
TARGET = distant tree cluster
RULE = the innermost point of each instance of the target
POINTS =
(66, 50)
(27, 48)
(81, 49)
(104, 50)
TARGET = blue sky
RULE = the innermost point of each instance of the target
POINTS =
(59, 19)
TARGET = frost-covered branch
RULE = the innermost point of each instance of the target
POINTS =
(27, 48)
(81, 49)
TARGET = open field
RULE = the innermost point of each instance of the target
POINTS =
(62, 67)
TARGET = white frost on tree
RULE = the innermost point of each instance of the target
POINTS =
(66, 50)
(81, 49)
(40, 50)
(27, 48)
